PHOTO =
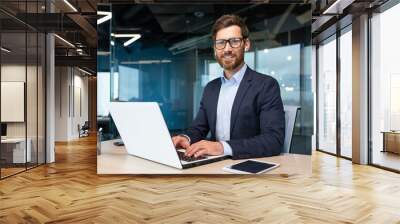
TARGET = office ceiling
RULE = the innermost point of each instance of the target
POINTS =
(195, 18)
(78, 28)
(171, 23)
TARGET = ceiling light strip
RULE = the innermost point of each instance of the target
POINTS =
(84, 71)
(64, 40)
(326, 11)
(70, 5)
(5, 49)
(133, 39)
(107, 16)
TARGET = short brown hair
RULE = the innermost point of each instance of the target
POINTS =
(227, 21)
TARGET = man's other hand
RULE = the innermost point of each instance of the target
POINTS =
(205, 148)
(180, 142)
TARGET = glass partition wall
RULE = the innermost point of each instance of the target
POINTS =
(164, 53)
(334, 104)
(385, 89)
(22, 77)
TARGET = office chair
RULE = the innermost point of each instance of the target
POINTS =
(84, 130)
(290, 120)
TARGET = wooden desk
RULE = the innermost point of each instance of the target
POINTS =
(115, 160)
(391, 141)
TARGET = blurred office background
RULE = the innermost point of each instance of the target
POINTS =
(47, 79)
(163, 53)
(355, 47)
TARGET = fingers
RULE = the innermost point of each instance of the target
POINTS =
(180, 141)
(200, 152)
(191, 150)
(205, 147)
(185, 144)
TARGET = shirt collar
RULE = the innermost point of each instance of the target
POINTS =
(237, 77)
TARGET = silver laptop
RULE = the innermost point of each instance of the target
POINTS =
(145, 134)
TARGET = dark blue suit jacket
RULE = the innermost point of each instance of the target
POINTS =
(257, 117)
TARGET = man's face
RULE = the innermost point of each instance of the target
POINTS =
(230, 57)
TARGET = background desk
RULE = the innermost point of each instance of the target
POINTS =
(13, 150)
(115, 160)
(391, 141)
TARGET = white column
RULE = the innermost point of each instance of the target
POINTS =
(50, 100)
(360, 90)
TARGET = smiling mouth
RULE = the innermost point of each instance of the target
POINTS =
(229, 57)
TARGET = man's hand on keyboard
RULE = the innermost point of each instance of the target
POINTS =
(205, 148)
(180, 142)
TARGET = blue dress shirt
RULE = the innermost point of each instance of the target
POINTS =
(227, 93)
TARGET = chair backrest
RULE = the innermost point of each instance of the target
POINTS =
(86, 126)
(290, 120)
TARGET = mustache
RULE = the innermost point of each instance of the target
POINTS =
(225, 54)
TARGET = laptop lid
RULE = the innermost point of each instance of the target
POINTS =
(144, 131)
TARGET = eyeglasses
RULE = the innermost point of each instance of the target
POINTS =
(235, 42)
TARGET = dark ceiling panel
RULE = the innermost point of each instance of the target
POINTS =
(49, 22)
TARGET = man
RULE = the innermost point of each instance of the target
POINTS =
(243, 109)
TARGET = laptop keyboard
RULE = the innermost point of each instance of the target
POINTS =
(189, 158)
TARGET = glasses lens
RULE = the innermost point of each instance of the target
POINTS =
(220, 44)
(235, 42)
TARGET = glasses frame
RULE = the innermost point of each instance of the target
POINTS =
(230, 42)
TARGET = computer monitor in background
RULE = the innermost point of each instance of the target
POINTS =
(3, 129)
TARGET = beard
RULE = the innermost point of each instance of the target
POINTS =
(230, 60)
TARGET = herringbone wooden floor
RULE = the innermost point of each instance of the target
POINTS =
(70, 191)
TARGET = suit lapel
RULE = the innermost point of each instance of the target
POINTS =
(243, 87)
(214, 103)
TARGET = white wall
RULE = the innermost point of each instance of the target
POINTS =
(12, 73)
(103, 96)
(79, 117)
(71, 94)
(33, 127)
(61, 103)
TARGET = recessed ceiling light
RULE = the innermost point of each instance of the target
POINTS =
(266, 50)
(199, 14)
(289, 58)
(289, 89)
